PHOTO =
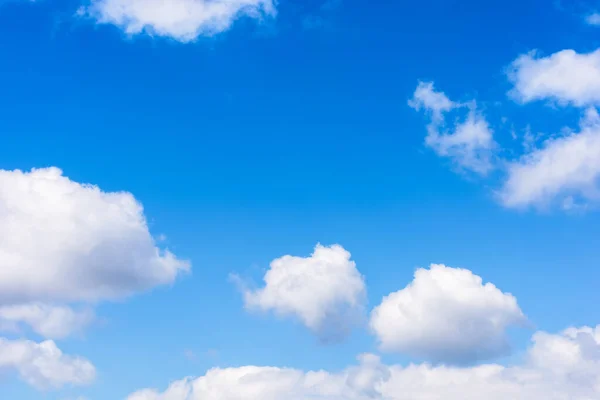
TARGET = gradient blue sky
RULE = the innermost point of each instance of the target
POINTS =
(276, 135)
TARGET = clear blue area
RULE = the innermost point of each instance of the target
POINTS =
(270, 138)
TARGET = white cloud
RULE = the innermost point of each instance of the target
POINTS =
(469, 143)
(54, 322)
(557, 367)
(428, 99)
(446, 315)
(182, 20)
(593, 19)
(566, 77)
(272, 383)
(565, 168)
(325, 291)
(65, 241)
(43, 365)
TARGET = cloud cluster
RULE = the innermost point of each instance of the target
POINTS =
(324, 291)
(468, 143)
(446, 315)
(565, 170)
(182, 20)
(65, 245)
(556, 367)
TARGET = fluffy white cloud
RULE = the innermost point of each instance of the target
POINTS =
(43, 365)
(65, 241)
(54, 322)
(566, 77)
(565, 170)
(557, 367)
(446, 315)
(470, 143)
(183, 20)
(325, 291)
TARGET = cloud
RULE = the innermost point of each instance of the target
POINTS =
(446, 315)
(325, 291)
(470, 143)
(593, 19)
(182, 20)
(43, 365)
(272, 383)
(428, 99)
(566, 77)
(564, 170)
(556, 367)
(65, 242)
(322, 18)
(54, 322)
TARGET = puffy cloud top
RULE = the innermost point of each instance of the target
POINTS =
(446, 315)
(325, 291)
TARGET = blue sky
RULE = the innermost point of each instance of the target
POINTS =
(410, 134)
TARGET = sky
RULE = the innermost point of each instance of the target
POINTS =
(299, 200)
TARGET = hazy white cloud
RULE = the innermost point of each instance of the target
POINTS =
(182, 20)
(556, 367)
(565, 170)
(566, 77)
(324, 291)
(54, 322)
(593, 19)
(468, 143)
(446, 315)
(43, 365)
(65, 241)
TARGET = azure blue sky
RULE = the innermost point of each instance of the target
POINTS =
(330, 199)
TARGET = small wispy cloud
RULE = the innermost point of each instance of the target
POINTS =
(593, 19)
(321, 19)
